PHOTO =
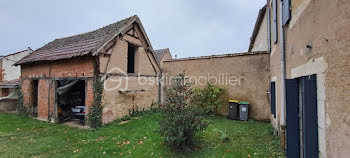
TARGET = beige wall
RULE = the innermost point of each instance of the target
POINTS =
(248, 74)
(324, 25)
(122, 91)
(260, 43)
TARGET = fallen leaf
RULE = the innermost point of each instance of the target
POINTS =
(120, 154)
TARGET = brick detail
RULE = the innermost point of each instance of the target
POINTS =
(43, 88)
(27, 88)
(89, 93)
(75, 67)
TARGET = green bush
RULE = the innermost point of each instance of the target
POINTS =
(181, 121)
(142, 112)
(21, 109)
(210, 99)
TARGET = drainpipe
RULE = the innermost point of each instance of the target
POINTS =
(283, 79)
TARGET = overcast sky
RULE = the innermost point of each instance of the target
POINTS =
(187, 27)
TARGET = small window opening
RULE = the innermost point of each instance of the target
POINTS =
(35, 89)
(131, 59)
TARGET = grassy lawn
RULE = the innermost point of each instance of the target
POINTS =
(25, 137)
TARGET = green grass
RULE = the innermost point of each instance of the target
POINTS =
(25, 137)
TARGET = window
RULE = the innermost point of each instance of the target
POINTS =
(269, 30)
(286, 11)
(273, 98)
(274, 13)
(131, 58)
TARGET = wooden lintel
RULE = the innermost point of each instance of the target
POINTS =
(127, 75)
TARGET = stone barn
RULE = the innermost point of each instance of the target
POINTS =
(57, 79)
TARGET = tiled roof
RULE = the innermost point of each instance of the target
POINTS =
(258, 22)
(29, 49)
(219, 56)
(11, 83)
(159, 53)
(77, 45)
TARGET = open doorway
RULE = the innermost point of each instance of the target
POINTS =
(71, 101)
(35, 98)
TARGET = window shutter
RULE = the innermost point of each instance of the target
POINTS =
(274, 13)
(292, 115)
(286, 11)
(273, 98)
(269, 29)
(310, 120)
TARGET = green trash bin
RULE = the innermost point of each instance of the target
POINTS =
(243, 110)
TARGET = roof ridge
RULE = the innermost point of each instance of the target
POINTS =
(105, 26)
(76, 45)
(17, 52)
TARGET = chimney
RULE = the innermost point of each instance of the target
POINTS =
(30, 50)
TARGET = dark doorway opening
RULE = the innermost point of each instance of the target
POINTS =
(5, 92)
(131, 58)
(35, 89)
(71, 101)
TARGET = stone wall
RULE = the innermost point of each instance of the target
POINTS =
(8, 105)
(244, 77)
(122, 94)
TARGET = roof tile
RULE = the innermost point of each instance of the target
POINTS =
(73, 46)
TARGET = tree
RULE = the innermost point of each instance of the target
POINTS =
(181, 121)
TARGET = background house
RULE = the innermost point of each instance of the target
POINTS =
(258, 40)
(9, 79)
(162, 55)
